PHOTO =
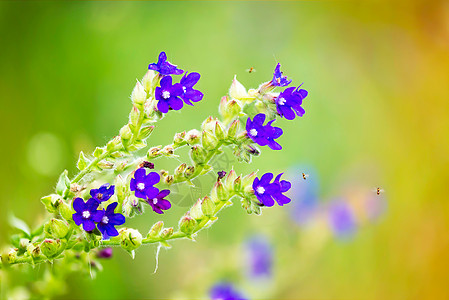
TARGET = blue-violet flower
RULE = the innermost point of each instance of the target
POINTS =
(189, 94)
(342, 219)
(168, 95)
(142, 184)
(225, 291)
(157, 202)
(264, 190)
(86, 213)
(164, 67)
(109, 221)
(278, 79)
(263, 135)
(289, 101)
(284, 186)
(103, 193)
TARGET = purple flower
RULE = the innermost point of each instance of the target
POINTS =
(157, 202)
(187, 83)
(86, 213)
(221, 174)
(278, 79)
(164, 67)
(264, 190)
(225, 291)
(289, 101)
(168, 95)
(259, 257)
(142, 184)
(284, 186)
(109, 220)
(105, 253)
(341, 219)
(103, 193)
(263, 135)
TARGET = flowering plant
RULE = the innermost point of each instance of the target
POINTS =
(90, 210)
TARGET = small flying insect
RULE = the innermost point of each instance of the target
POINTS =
(251, 70)
(378, 190)
(305, 176)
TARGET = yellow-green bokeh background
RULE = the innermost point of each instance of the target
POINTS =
(376, 114)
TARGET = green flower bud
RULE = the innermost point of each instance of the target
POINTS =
(154, 152)
(82, 162)
(233, 108)
(169, 179)
(121, 188)
(220, 191)
(56, 228)
(192, 137)
(209, 141)
(134, 117)
(208, 124)
(189, 171)
(207, 207)
(237, 184)
(105, 164)
(233, 129)
(248, 179)
(196, 211)
(219, 131)
(50, 202)
(33, 250)
(237, 90)
(180, 169)
(52, 248)
(126, 133)
(222, 106)
(98, 152)
(150, 80)
(242, 137)
(138, 96)
(168, 150)
(9, 256)
(166, 233)
(130, 239)
(155, 230)
(66, 211)
(23, 243)
(178, 140)
(114, 144)
(187, 224)
(229, 183)
(198, 154)
(145, 132)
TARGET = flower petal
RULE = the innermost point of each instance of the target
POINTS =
(163, 194)
(265, 179)
(163, 204)
(191, 79)
(97, 215)
(175, 103)
(162, 106)
(117, 219)
(88, 225)
(78, 205)
(140, 174)
(111, 207)
(267, 200)
(153, 178)
(194, 95)
(166, 82)
(281, 199)
(78, 219)
(259, 119)
(162, 57)
(111, 231)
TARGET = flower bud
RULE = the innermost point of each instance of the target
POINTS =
(192, 137)
(187, 224)
(33, 250)
(50, 202)
(196, 210)
(51, 248)
(248, 179)
(130, 239)
(208, 124)
(134, 116)
(229, 183)
(114, 144)
(56, 228)
(253, 93)
(23, 243)
(198, 154)
(237, 90)
(237, 184)
(168, 150)
(166, 233)
(125, 132)
(252, 150)
(155, 230)
(189, 171)
(222, 107)
(265, 87)
(219, 131)
(208, 140)
(105, 164)
(154, 152)
(169, 179)
(145, 132)
(207, 206)
(242, 137)
(150, 80)
(233, 108)
(180, 169)
(139, 96)
(233, 128)
(178, 140)
(220, 191)
(65, 210)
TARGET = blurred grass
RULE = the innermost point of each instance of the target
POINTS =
(377, 114)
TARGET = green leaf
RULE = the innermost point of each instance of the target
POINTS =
(19, 224)
(63, 183)
(49, 202)
(83, 162)
(98, 152)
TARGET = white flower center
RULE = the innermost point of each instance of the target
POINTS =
(260, 190)
(154, 200)
(105, 220)
(253, 132)
(184, 89)
(281, 101)
(165, 94)
(141, 185)
(86, 214)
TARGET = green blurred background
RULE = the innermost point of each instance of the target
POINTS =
(376, 115)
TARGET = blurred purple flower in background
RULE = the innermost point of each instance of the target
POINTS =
(105, 253)
(225, 291)
(259, 257)
(342, 219)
